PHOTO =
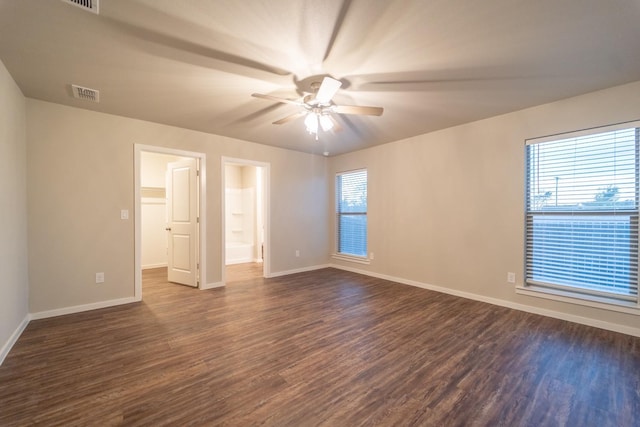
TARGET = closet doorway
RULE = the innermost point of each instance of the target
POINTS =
(169, 215)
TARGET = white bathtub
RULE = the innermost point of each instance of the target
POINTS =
(238, 253)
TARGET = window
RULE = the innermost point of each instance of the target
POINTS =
(351, 213)
(582, 213)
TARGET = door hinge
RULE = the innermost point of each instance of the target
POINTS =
(198, 220)
(197, 172)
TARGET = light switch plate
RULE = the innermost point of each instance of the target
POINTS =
(124, 214)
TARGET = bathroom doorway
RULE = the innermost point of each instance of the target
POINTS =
(245, 220)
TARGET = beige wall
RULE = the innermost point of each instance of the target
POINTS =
(14, 286)
(447, 208)
(81, 166)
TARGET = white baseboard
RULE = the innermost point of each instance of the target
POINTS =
(80, 308)
(6, 348)
(508, 304)
(298, 270)
(205, 286)
(150, 266)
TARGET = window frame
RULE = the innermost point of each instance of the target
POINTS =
(362, 259)
(583, 296)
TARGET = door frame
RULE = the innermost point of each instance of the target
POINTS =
(266, 203)
(202, 203)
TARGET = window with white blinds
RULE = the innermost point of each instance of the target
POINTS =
(351, 213)
(582, 212)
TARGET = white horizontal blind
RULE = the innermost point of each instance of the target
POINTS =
(582, 212)
(351, 213)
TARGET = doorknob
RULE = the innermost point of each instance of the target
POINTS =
(168, 228)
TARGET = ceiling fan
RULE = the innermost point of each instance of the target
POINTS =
(318, 107)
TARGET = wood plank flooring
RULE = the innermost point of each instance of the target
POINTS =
(323, 348)
(241, 272)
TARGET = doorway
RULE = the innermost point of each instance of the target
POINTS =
(169, 215)
(245, 219)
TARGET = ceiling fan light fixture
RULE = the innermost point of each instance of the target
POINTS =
(326, 123)
(311, 123)
(318, 106)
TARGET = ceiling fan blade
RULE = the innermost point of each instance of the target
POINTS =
(337, 27)
(336, 126)
(200, 48)
(261, 112)
(290, 118)
(431, 81)
(327, 90)
(277, 99)
(356, 109)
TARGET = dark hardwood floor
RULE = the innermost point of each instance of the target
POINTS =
(324, 348)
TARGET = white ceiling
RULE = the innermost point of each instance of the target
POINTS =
(431, 64)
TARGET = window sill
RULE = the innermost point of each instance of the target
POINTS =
(603, 303)
(352, 258)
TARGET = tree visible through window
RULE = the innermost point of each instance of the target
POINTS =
(351, 213)
(582, 213)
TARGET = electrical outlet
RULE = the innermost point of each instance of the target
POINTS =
(99, 277)
(511, 277)
(297, 253)
(371, 255)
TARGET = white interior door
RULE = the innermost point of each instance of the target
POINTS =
(182, 222)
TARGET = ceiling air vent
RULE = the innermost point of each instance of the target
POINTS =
(85, 93)
(90, 5)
